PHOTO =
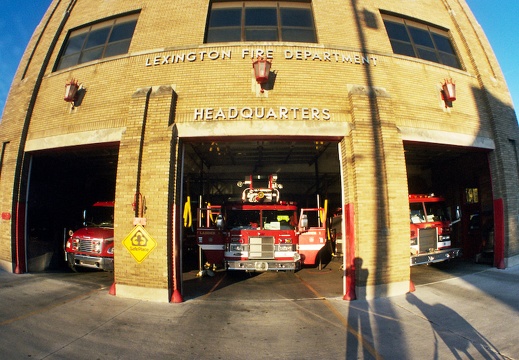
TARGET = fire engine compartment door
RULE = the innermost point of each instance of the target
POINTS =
(310, 243)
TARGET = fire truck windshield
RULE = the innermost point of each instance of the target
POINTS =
(432, 212)
(436, 212)
(100, 216)
(243, 219)
(257, 219)
(278, 220)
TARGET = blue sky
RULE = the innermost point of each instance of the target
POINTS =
(19, 18)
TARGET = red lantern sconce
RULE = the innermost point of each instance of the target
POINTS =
(261, 68)
(71, 88)
(448, 92)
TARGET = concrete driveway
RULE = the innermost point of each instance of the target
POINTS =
(268, 315)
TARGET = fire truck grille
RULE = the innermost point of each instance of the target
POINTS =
(86, 245)
(261, 247)
(427, 239)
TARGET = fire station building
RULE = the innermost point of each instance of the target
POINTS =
(156, 105)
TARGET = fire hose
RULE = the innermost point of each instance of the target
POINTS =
(188, 217)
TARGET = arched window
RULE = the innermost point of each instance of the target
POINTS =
(423, 41)
(261, 21)
(98, 41)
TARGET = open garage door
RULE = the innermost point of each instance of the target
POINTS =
(62, 183)
(462, 176)
(308, 170)
(305, 168)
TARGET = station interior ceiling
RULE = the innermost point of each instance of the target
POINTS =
(215, 167)
(304, 168)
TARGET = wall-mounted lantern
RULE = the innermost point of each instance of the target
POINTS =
(71, 88)
(449, 90)
(261, 68)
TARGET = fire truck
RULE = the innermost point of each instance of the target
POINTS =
(260, 232)
(92, 246)
(430, 230)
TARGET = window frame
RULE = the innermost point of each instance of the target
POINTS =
(70, 56)
(245, 29)
(442, 57)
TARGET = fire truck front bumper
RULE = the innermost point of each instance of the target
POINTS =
(435, 256)
(94, 262)
(263, 265)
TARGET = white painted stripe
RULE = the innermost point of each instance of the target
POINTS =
(211, 247)
(284, 254)
(310, 247)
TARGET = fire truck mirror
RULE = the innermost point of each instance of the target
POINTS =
(304, 221)
(458, 212)
(219, 222)
(458, 216)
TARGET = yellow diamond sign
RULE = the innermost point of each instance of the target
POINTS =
(139, 243)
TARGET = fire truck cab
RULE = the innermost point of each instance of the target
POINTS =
(430, 230)
(92, 246)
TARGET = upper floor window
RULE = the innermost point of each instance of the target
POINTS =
(261, 21)
(98, 41)
(419, 40)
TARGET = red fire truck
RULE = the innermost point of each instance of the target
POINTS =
(260, 232)
(430, 230)
(92, 245)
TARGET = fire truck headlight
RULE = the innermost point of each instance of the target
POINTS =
(96, 246)
(297, 257)
(414, 241)
(110, 250)
(236, 247)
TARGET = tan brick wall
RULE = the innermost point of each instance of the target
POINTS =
(373, 158)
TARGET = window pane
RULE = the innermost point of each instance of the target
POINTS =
(225, 17)
(261, 35)
(261, 22)
(411, 38)
(298, 35)
(296, 17)
(450, 60)
(75, 44)
(68, 61)
(104, 39)
(443, 43)
(397, 31)
(91, 54)
(224, 35)
(118, 48)
(122, 31)
(260, 16)
(402, 48)
(421, 37)
(97, 37)
(427, 54)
